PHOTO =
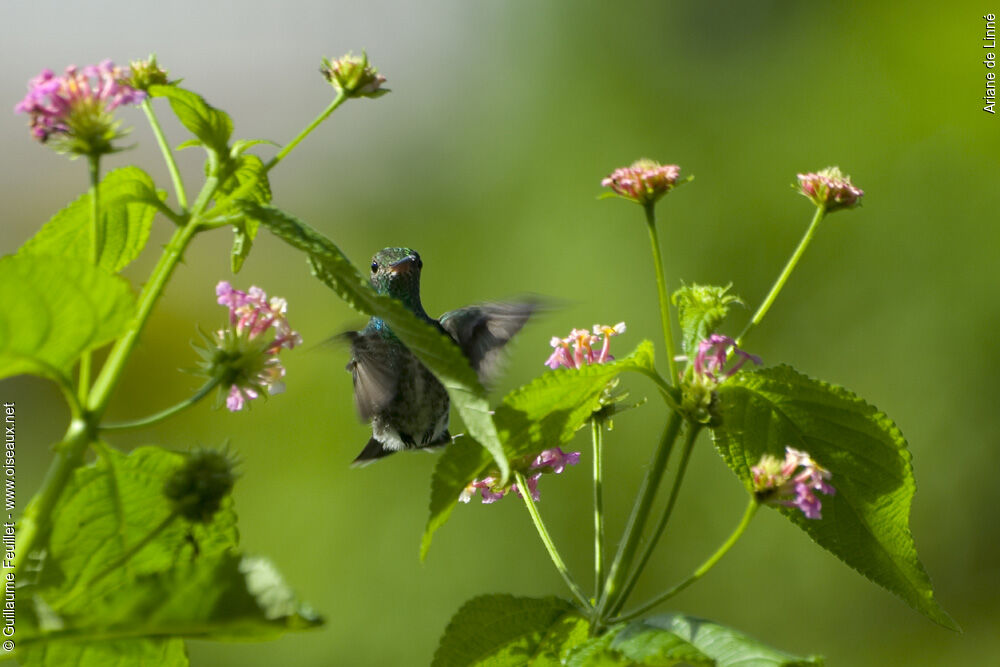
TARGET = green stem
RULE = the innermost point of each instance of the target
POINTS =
(702, 570)
(661, 286)
(337, 101)
(689, 440)
(637, 519)
(168, 155)
(597, 435)
(549, 544)
(117, 358)
(34, 521)
(96, 244)
(783, 278)
(169, 412)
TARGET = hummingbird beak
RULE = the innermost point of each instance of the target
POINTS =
(405, 265)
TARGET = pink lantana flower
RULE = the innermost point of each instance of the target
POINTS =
(75, 108)
(584, 346)
(241, 356)
(792, 482)
(830, 188)
(552, 460)
(710, 361)
(644, 181)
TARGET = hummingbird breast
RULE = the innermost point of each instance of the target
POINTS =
(418, 414)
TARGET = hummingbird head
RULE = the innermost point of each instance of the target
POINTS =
(395, 272)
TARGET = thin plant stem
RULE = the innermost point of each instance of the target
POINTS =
(748, 514)
(661, 286)
(337, 101)
(597, 435)
(549, 544)
(168, 155)
(689, 440)
(169, 412)
(96, 244)
(637, 519)
(783, 278)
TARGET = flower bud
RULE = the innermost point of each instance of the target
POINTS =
(830, 189)
(354, 76)
(145, 73)
(644, 182)
(196, 489)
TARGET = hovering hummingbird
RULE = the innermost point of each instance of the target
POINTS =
(407, 406)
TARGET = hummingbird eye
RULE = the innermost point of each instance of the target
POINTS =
(374, 267)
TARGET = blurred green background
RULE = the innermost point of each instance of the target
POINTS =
(487, 158)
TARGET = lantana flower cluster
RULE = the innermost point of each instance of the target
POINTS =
(354, 76)
(712, 365)
(644, 181)
(830, 188)
(552, 460)
(792, 482)
(76, 107)
(245, 360)
(582, 347)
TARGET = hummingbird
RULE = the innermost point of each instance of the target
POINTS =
(407, 406)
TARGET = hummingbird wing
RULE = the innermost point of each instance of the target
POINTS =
(482, 330)
(371, 366)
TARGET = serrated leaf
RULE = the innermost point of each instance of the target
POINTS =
(700, 311)
(119, 653)
(112, 505)
(434, 349)
(55, 308)
(866, 524)
(237, 173)
(725, 646)
(226, 596)
(500, 630)
(544, 413)
(128, 200)
(212, 126)
(568, 632)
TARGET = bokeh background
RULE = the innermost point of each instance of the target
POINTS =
(487, 158)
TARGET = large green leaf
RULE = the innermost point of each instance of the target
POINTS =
(116, 653)
(54, 309)
(866, 524)
(226, 596)
(544, 413)
(436, 350)
(676, 639)
(506, 630)
(109, 507)
(212, 126)
(243, 171)
(128, 201)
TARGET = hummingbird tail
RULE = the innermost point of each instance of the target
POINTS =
(372, 452)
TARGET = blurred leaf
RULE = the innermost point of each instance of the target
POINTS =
(676, 639)
(128, 201)
(55, 308)
(241, 145)
(117, 653)
(700, 311)
(562, 637)
(435, 349)
(224, 597)
(866, 524)
(504, 630)
(212, 126)
(112, 505)
(544, 413)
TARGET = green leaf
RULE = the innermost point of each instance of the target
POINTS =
(212, 126)
(725, 646)
(242, 170)
(700, 311)
(109, 507)
(866, 524)
(436, 350)
(120, 653)
(505, 630)
(128, 201)
(544, 413)
(227, 596)
(55, 308)
(560, 639)
(241, 145)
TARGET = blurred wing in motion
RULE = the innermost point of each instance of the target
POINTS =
(371, 366)
(482, 330)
